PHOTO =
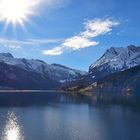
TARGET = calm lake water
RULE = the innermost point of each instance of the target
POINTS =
(65, 117)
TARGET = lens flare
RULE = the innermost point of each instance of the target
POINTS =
(16, 11)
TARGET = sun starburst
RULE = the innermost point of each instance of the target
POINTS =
(16, 11)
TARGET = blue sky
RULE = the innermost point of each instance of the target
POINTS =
(74, 33)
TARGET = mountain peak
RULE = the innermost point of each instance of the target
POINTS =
(116, 51)
(59, 65)
(133, 48)
(112, 50)
(118, 59)
(7, 55)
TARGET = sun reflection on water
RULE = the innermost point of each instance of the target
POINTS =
(12, 130)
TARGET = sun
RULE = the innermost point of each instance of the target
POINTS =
(16, 11)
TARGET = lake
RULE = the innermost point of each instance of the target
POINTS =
(55, 116)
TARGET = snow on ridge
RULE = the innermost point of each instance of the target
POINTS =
(57, 72)
(119, 58)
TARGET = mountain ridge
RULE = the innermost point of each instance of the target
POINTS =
(56, 71)
(21, 73)
(112, 61)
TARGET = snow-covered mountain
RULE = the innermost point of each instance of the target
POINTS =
(56, 72)
(115, 60)
(16, 72)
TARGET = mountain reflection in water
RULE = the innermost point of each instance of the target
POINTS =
(54, 116)
(43, 99)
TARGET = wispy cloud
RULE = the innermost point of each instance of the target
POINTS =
(93, 28)
(55, 51)
(17, 44)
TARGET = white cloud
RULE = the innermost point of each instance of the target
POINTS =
(55, 51)
(42, 41)
(17, 44)
(98, 27)
(12, 46)
(93, 28)
(78, 42)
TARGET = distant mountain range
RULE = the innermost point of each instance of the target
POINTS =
(20, 73)
(116, 63)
